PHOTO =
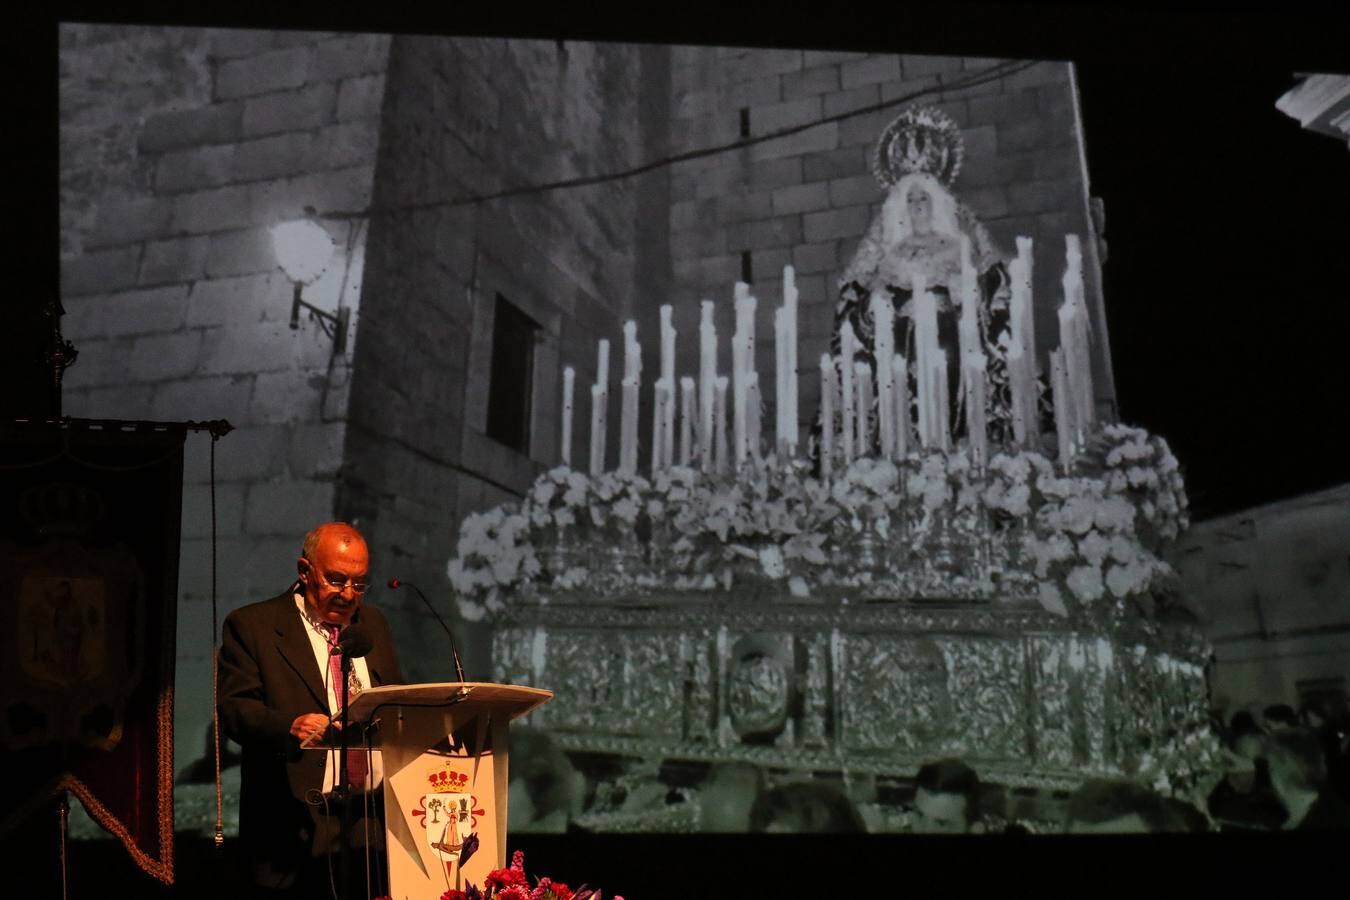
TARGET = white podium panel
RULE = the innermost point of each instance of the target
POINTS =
(446, 750)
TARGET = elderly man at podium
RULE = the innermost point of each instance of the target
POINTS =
(279, 694)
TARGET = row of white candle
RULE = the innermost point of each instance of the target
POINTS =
(847, 383)
(702, 417)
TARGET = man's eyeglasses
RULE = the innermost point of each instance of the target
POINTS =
(340, 583)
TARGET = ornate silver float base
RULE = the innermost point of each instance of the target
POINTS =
(860, 688)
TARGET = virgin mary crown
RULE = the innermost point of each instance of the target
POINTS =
(921, 139)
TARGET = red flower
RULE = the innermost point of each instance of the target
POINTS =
(513, 893)
(518, 860)
(560, 890)
(453, 894)
(504, 878)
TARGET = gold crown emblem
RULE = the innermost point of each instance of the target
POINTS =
(920, 139)
(447, 782)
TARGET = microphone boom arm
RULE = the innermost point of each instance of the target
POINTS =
(395, 584)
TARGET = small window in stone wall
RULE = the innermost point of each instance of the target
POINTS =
(511, 377)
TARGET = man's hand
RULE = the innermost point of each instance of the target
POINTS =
(310, 727)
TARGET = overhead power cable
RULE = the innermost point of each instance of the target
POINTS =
(999, 70)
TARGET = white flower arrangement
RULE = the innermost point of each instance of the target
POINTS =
(1093, 536)
(557, 497)
(617, 499)
(494, 553)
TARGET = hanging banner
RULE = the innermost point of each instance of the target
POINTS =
(89, 529)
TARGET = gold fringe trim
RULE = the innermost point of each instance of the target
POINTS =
(161, 868)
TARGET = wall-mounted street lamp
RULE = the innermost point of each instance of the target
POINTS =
(304, 249)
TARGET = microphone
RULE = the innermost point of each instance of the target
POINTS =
(395, 584)
(354, 642)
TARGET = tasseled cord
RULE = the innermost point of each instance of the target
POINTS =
(215, 658)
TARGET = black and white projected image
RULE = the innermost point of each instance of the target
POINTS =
(854, 442)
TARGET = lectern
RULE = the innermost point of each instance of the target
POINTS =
(445, 749)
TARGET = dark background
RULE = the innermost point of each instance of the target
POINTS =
(1227, 226)
(1228, 233)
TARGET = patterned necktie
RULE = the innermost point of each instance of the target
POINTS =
(356, 753)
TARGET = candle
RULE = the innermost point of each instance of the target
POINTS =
(707, 383)
(668, 376)
(1059, 384)
(740, 416)
(688, 416)
(753, 409)
(1024, 325)
(1017, 364)
(781, 380)
(941, 408)
(660, 400)
(667, 344)
(602, 367)
(968, 328)
(1017, 357)
(790, 320)
(569, 379)
(750, 304)
(738, 396)
(632, 352)
(628, 427)
(1074, 340)
(925, 345)
(745, 319)
(975, 366)
(1069, 357)
(900, 395)
(1020, 315)
(862, 377)
(598, 398)
(883, 319)
(827, 389)
(720, 417)
(846, 344)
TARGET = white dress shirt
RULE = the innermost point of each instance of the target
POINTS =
(318, 641)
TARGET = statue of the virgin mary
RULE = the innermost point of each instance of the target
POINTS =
(918, 232)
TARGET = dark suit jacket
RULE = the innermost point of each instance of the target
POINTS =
(267, 678)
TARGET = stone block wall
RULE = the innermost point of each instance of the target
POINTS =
(429, 160)
(466, 118)
(1273, 586)
(179, 148)
(807, 197)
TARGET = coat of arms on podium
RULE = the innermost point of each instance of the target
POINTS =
(450, 814)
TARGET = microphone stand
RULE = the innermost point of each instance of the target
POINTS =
(343, 789)
(459, 668)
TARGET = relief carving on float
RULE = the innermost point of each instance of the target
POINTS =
(815, 694)
(1053, 717)
(895, 694)
(652, 693)
(990, 718)
(590, 664)
(699, 714)
(1096, 690)
(757, 696)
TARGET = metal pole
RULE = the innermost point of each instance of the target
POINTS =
(63, 818)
